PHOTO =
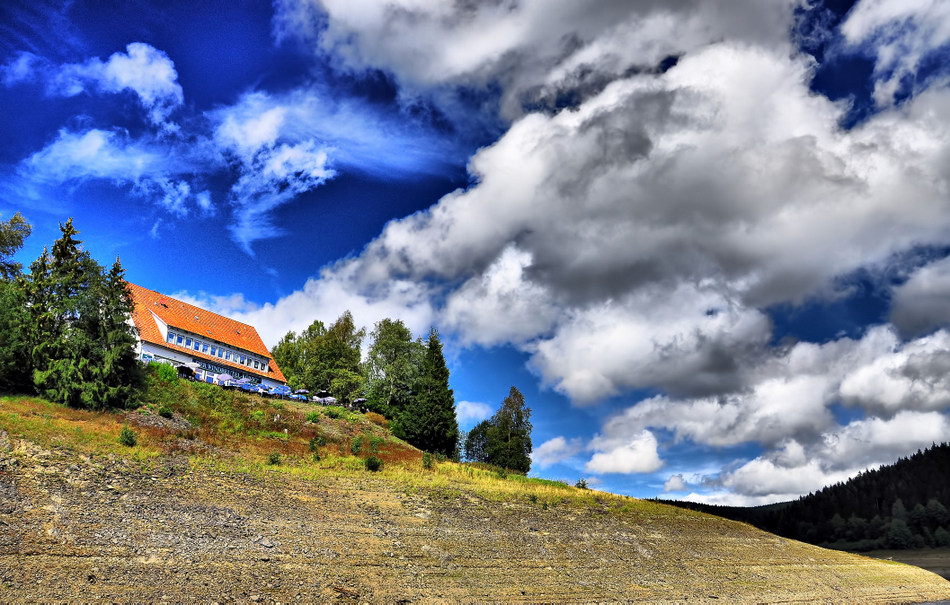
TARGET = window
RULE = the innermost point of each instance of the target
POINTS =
(213, 350)
(242, 359)
(220, 352)
(187, 342)
(197, 345)
(227, 356)
(204, 348)
(171, 337)
(180, 339)
(256, 366)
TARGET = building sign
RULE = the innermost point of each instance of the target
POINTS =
(213, 367)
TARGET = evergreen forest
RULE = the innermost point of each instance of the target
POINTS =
(899, 506)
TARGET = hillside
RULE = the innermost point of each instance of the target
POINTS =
(899, 506)
(195, 512)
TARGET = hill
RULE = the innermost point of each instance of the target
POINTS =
(899, 506)
(197, 511)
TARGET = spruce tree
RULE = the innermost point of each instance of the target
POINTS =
(428, 420)
(82, 345)
(509, 439)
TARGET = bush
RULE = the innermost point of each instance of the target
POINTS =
(374, 444)
(440, 456)
(377, 419)
(273, 459)
(313, 416)
(334, 412)
(373, 463)
(581, 483)
(165, 372)
(357, 445)
(313, 445)
(427, 461)
(165, 412)
(127, 437)
(501, 473)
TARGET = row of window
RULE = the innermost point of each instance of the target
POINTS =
(215, 351)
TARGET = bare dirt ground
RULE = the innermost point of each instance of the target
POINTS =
(75, 528)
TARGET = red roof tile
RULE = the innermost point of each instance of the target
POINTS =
(205, 324)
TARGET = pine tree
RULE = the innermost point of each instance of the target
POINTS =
(80, 338)
(509, 440)
(428, 420)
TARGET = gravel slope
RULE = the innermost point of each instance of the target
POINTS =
(80, 529)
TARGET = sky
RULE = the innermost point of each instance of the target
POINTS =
(709, 240)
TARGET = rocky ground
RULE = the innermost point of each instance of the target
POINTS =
(76, 528)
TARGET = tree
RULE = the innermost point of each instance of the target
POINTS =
(391, 367)
(80, 339)
(12, 233)
(427, 420)
(324, 358)
(505, 439)
(16, 375)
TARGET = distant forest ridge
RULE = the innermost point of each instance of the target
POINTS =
(899, 506)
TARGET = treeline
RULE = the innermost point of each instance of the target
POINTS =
(64, 327)
(406, 380)
(899, 506)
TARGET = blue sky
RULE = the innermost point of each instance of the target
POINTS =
(707, 240)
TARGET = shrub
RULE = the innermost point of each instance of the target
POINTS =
(321, 440)
(165, 412)
(335, 413)
(501, 473)
(440, 456)
(427, 461)
(316, 457)
(257, 415)
(373, 463)
(313, 416)
(374, 444)
(357, 445)
(581, 483)
(127, 437)
(165, 372)
(274, 459)
(377, 419)
(313, 445)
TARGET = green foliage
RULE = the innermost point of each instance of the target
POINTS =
(12, 233)
(80, 340)
(324, 358)
(127, 437)
(374, 444)
(427, 461)
(356, 446)
(313, 445)
(581, 483)
(313, 416)
(274, 459)
(428, 420)
(505, 439)
(391, 367)
(334, 412)
(942, 537)
(165, 371)
(165, 412)
(16, 375)
(373, 463)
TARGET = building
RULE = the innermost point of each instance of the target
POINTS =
(175, 332)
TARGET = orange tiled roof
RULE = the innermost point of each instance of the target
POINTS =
(189, 318)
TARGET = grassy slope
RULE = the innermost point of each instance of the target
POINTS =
(589, 538)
